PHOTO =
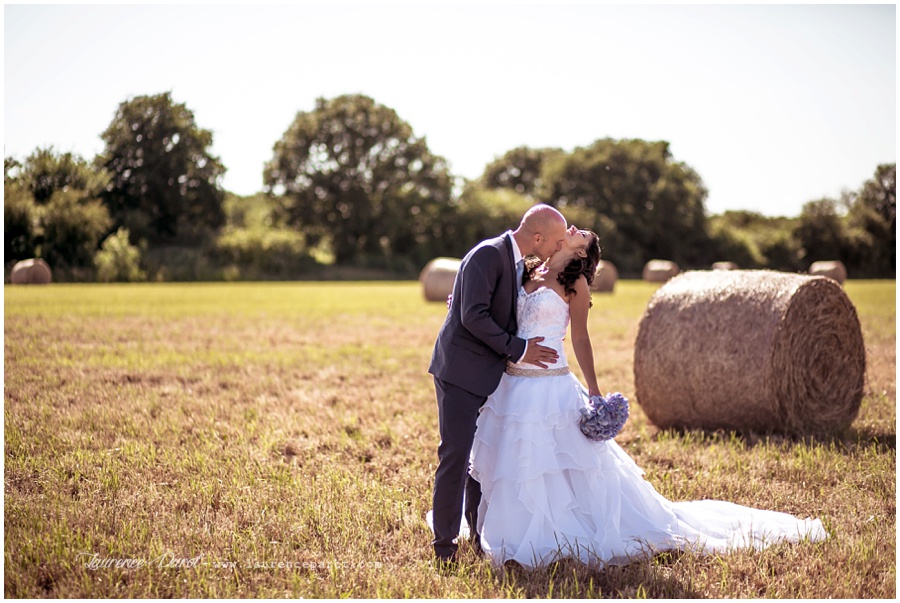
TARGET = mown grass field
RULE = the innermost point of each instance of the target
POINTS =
(167, 440)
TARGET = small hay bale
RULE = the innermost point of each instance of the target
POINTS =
(831, 269)
(724, 266)
(31, 272)
(659, 271)
(605, 278)
(437, 278)
(750, 350)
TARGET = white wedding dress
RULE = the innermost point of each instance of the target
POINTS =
(549, 492)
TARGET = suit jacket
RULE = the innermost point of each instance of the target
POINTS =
(479, 333)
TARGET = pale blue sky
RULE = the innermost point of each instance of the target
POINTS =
(772, 105)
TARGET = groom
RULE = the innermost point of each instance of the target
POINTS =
(472, 348)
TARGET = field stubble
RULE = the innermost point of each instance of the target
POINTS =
(185, 440)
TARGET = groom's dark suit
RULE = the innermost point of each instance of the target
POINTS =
(470, 355)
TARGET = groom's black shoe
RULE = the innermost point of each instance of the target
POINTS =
(475, 540)
(445, 563)
(445, 554)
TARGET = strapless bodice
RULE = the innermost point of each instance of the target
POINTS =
(543, 313)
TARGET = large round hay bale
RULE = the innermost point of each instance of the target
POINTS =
(750, 350)
(659, 271)
(605, 278)
(437, 278)
(831, 269)
(724, 266)
(31, 272)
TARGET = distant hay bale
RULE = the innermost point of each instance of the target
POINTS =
(750, 350)
(724, 266)
(437, 278)
(831, 269)
(31, 272)
(659, 271)
(605, 278)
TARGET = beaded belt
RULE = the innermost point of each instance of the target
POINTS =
(515, 371)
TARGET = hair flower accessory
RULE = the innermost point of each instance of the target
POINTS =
(603, 418)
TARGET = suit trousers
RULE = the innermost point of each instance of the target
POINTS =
(457, 414)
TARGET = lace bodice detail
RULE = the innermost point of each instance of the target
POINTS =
(543, 313)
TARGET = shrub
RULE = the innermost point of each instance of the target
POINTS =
(72, 230)
(262, 253)
(119, 260)
(734, 245)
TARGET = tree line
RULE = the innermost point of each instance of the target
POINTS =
(351, 187)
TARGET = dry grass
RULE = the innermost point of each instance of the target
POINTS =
(215, 431)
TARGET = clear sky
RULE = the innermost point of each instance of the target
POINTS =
(772, 105)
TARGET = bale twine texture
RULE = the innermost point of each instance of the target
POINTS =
(605, 278)
(724, 266)
(659, 271)
(437, 278)
(750, 350)
(831, 269)
(31, 272)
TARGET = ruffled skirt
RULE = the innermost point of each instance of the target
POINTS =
(549, 492)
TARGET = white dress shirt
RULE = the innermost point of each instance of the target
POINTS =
(517, 257)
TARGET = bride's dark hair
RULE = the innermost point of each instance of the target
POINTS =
(574, 268)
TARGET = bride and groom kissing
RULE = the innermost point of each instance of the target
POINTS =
(512, 460)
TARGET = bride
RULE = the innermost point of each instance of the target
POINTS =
(548, 491)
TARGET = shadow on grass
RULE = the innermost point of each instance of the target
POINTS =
(849, 440)
(884, 441)
(568, 578)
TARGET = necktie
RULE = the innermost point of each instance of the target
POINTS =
(520, 269)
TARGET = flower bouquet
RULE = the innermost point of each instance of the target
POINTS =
(603, 418)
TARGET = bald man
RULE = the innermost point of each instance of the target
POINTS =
(475, 343)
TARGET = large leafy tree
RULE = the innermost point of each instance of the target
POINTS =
(53, 210)
(518, 169)
(353, 173)
(873, 220)
(820, 231)
(164, 183)
(655, 203)
(45, 172)
(20, 223)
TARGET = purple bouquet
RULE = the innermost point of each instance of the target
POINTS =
(603, 418)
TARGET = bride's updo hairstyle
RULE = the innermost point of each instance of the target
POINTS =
(574, 269)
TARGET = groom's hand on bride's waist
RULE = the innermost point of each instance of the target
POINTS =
(539, 355)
